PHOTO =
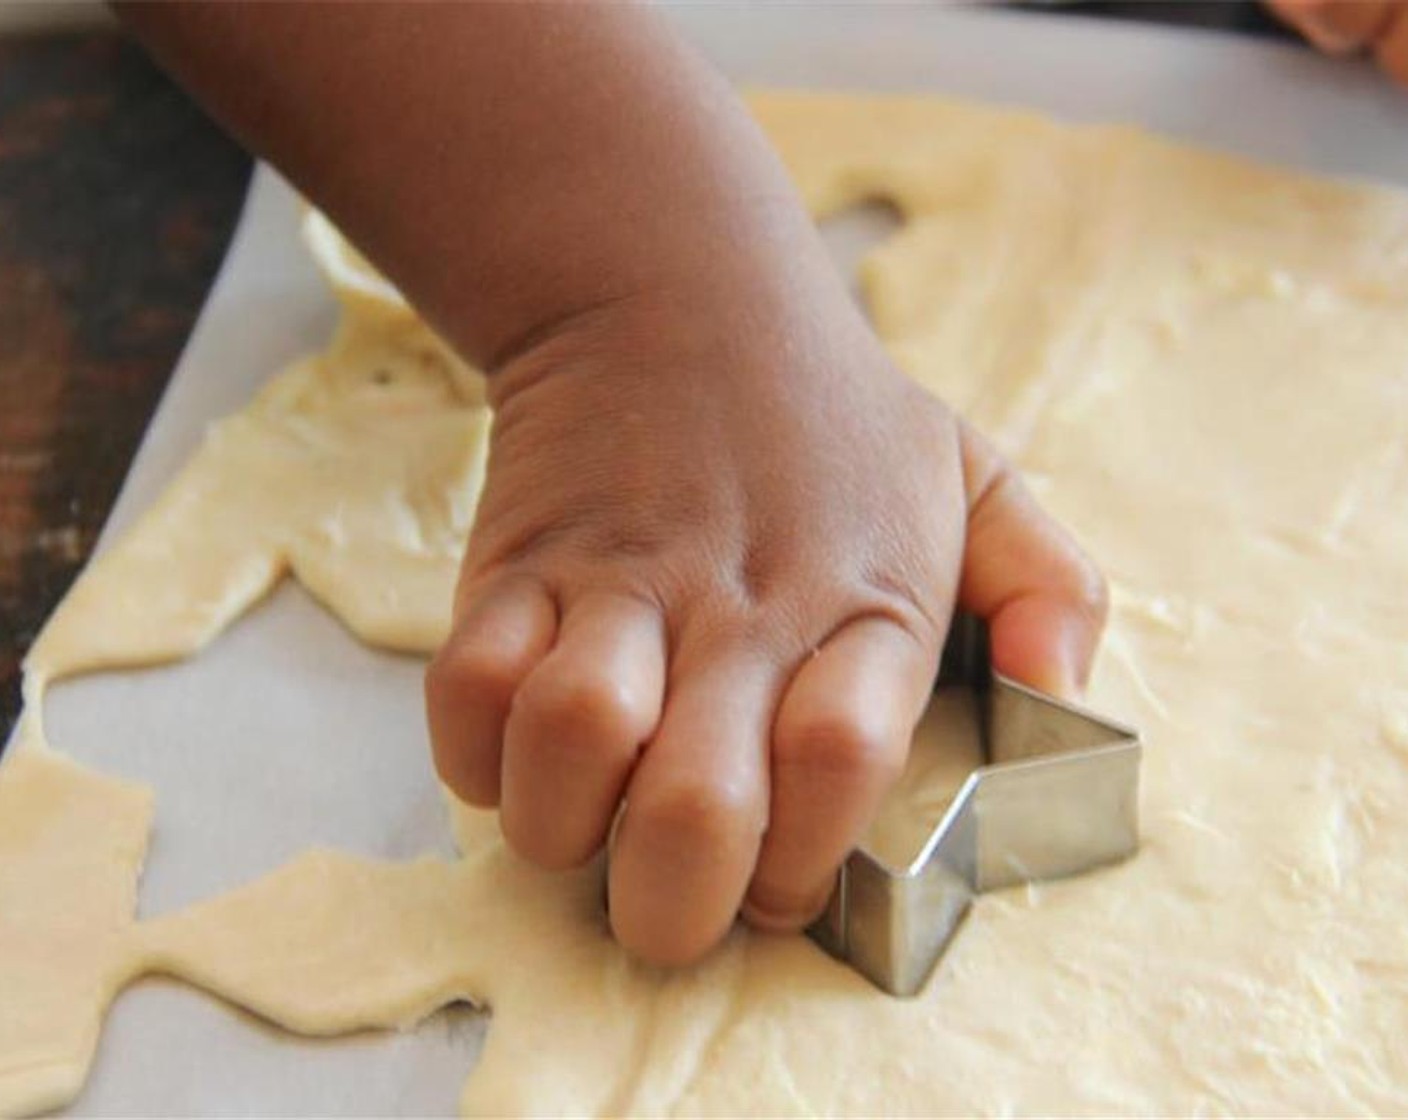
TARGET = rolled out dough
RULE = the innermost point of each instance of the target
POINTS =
(1202, 365)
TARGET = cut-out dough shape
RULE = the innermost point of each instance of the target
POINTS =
(1202, 366)
(71, 843)
(366, 458)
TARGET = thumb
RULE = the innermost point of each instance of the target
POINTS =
(1043, 599)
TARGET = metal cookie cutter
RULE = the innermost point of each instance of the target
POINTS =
(1056, 795)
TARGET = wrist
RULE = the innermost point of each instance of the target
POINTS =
(720, 263)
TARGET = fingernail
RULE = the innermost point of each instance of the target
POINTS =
(1064, 676)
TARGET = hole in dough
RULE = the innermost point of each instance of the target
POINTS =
(852, 234)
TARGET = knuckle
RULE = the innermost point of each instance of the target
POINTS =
(469, 674)
(702, 816)
(842, 746)
(585, 707)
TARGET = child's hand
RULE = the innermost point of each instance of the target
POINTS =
(1350, 26)
(722, 535)
(712, 570)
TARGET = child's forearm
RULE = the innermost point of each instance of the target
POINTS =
(548, 159)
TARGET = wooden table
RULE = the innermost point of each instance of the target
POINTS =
(117, 200)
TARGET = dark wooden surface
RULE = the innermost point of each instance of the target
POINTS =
(117, 199)
(1217, 15)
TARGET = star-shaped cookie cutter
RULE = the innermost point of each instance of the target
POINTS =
(1057, 796)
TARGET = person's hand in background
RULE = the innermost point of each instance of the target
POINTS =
(1344, 27)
